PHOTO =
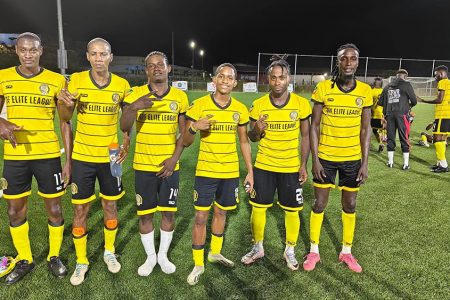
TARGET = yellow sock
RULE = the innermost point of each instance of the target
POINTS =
(348, 228)
(440, 150)
(292, 225)
(21, 241)
(216, 243)
(81, 249)
(110, 238)
(315, 226)
(258, 222)
(198, 255)
(424, 139)
(55, 238)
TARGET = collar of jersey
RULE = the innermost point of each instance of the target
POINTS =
(29, 76)
(95, 83)
(282, 105)
(217, 104)
(159, 96)
(349, 91)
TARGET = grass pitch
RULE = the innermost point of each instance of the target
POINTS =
(402, 241)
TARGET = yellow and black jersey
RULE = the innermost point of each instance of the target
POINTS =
(157, 127)
(218, 156)
(278, 151)
(377, 110)
(98, 115)
(341, 119)
(31, 102)
(442, 110)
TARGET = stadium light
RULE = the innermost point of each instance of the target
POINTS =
(192, 45)
(201, 55)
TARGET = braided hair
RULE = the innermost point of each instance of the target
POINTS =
(156, 53)
(280, 61)
(340, 52)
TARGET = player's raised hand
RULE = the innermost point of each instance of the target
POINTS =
(66, 98)
(7, 129)
(143, 102)
(204, 123)
(261, 124)
(318, 171)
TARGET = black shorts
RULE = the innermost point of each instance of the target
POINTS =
(154, 193)
(376, 123)
(224, 193)
(17, 177)
(290, 191)
(348, 173)
(441, 126)
(83, 182)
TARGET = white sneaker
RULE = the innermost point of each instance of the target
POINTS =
(219, 258)
(194, 277)
(166, 265)
(292, 263)
(147, 268)
(110, 260)
(78, 275)
(256, 253)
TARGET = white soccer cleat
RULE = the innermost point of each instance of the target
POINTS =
(255, 253)
(194, 277)
(147, 268)
(110, 260)
(166, 265)
(79, 274)
(291, 261)
(219, 258)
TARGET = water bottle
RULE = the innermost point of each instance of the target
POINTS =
(116, 169)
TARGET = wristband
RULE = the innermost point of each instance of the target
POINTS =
(192, 130)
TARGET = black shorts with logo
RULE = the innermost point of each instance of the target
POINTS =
(84, 175)
(17, 177)
(224, 193)
(348, 173)
(287, 185)
(154, 193)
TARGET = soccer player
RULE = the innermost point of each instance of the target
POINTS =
(377, 122)
(340, 140)
(217, 117)
(397, 99)
(31, 148)
(441, 127)
(98, 96)
(159, 111)
(277, 120)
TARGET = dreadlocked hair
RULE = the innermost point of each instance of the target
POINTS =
(335, 72)
(280, 61)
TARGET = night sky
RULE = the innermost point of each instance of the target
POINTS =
(235, 31)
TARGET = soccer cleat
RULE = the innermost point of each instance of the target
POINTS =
(79, 274)
(405, 167)
(110, 260)
(7, 264)
(380, 148)
(166, 265)
(422, 143)
(219, 258)
(147, 268)
(390, 165)
(434, 166)
(350, 261)
(57, 267)
(255, 253)
(23, 267)
(311, 259)
(194, 277)
(440, 169)
(291, 261)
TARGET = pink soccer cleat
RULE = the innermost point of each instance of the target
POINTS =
(311, 259)
(350, 261)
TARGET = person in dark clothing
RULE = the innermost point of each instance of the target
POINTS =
(397, 99)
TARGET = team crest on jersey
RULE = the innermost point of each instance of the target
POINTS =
(44, 89)
(359, 102)
(115, 98)
(293, 115)
(195, 196)
(3, 184)
(173, 106)
(74, 188)
(236, 117)
(138, 200)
